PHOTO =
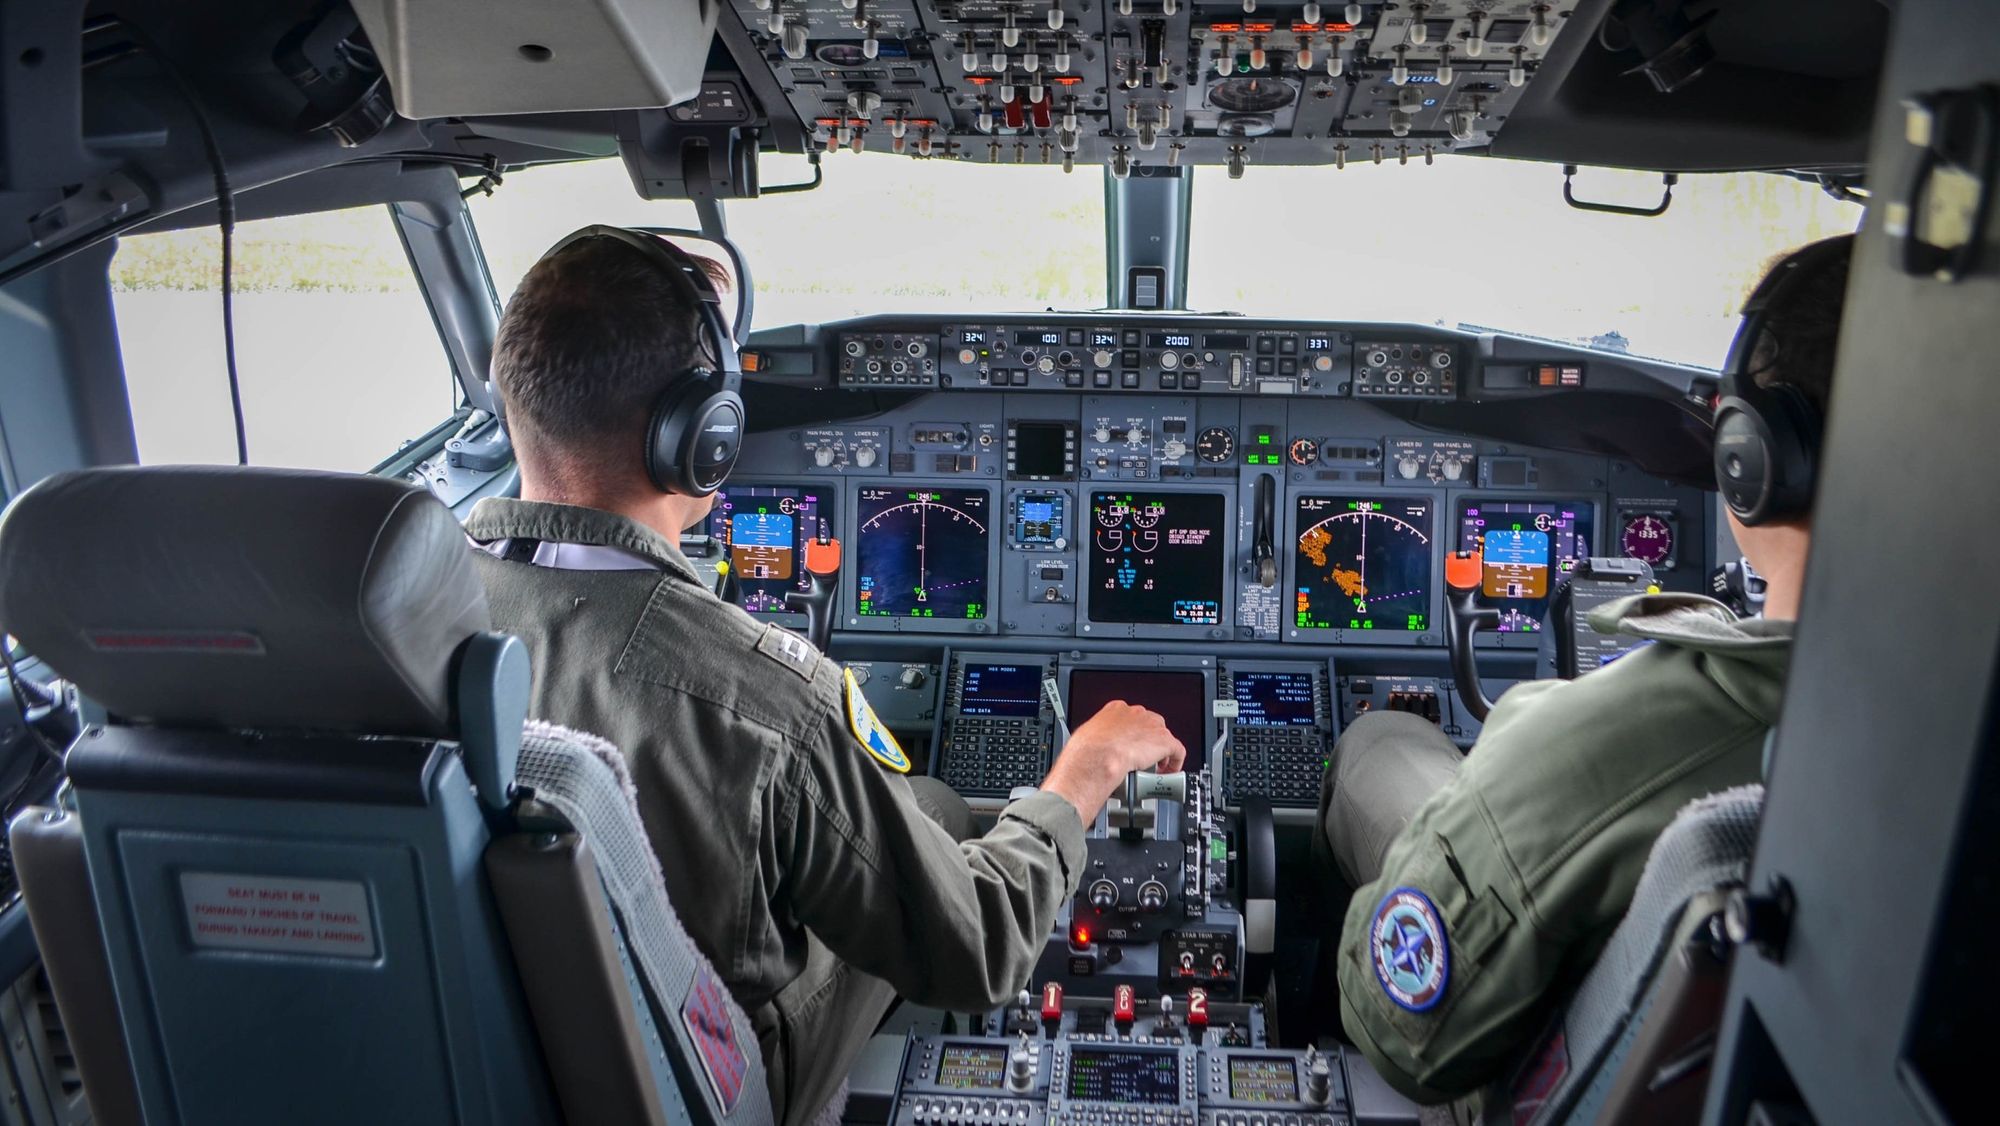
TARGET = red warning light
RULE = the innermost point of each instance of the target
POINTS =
(1079, 935)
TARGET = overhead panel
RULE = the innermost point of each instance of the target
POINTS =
(1152, 82)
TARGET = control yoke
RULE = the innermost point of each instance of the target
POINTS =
(1462, 570)
(823, 574)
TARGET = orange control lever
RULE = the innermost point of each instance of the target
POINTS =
(1462, 570)
(823, 559)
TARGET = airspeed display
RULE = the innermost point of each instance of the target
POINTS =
(922, 553)
(1362, 563)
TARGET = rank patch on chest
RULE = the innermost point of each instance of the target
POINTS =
(868, 728)
(1412, 958)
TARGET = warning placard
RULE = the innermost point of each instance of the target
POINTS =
(280, 914)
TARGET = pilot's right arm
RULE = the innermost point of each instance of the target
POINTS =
(949, 925)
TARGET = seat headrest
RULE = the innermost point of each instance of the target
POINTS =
(263, 598)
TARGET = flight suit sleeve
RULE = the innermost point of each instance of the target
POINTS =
(949, 925)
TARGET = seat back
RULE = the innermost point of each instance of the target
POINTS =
(305, 850)
(1633, 1043)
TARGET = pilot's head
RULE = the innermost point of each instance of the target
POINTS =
(1785, 351)
(595, 338)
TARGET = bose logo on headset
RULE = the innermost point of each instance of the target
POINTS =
(691, 439)
(1767, 438)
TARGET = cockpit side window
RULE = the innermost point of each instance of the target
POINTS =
(339, 359)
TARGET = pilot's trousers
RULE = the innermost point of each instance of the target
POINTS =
(1385, 766)
(856, 1003)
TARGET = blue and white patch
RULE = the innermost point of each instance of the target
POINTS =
(1412, 958)
(861, 719)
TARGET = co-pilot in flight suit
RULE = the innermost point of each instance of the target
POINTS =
(798, 854)
(1490, 882)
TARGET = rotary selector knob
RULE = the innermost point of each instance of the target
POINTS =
(1046, 364)
(1021, 1067)
(1104, 895)
(1170, 360)
(967, 355)
(823, 456)
(1101, 434)
(1408, 468)
(1135, 437)
(864, 456)
(1173, 449)
(1453, 468)
(1101, 357)
(1152, 896)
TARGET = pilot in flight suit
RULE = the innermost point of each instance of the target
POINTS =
(1488, 883)
(813, 873)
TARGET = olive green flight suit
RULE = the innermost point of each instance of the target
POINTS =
(805, 868)
(1529, 848)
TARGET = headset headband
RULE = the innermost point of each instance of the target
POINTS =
(708, 302)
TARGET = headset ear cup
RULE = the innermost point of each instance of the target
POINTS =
(695, 435)
(1765, 438)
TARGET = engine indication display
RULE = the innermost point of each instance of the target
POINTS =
(922, 553)
(1156, 558)
(1527, 548)
(764, 529)
(1362, 563)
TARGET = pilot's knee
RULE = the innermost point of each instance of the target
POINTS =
(942, 804)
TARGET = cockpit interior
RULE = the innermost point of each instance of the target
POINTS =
(1267, 365)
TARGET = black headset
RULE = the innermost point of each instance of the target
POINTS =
(696, 429)
(1767, 438)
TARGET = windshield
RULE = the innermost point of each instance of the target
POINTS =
(883, 234)
(1490, 244)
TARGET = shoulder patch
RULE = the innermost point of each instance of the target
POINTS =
(1412, 957)
(867, 728)
(788, 649)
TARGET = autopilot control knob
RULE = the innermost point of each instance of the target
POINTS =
(822, 456)
(864, 456)
(1104, 895)
(1102, 357)
(1152, 896)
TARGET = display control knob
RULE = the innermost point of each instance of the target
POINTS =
(1020, 1067)
(822, 456)
(1101, 434)
(1101, 357)
(1104, 895)
(1152, 896)
(1408, 468)
(1454, 468)
(864, 456)
(1136, 436)
(912, 677)
(1319, 1077)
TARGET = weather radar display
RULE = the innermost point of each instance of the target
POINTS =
(1526, 548)
(764, 530)
(1362, 563)
(922, 553)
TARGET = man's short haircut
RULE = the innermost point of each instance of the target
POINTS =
(1802, 331)
(595, 334)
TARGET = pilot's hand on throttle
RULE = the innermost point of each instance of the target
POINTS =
(1119, 739)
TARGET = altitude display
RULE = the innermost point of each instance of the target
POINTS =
(1263, 1079)
(1156, 558)
(764, 530)
(922, 553)
(1526, 548)
(1273, 699)
(1001, 690)
(1362, 563)
(966, 1067)
(1111, 1075)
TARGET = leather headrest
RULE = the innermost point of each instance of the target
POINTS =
(261, 598)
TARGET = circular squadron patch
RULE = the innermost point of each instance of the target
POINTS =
(1412, 959)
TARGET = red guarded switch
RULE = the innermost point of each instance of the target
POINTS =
(1197, 1009)
(1124, 1006)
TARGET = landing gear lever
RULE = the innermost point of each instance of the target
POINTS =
(823, 575)
(1462, 570)
(1263, 544)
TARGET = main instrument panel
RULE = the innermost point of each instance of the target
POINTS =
(1248, 506)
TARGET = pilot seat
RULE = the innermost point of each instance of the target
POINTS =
(310, 865)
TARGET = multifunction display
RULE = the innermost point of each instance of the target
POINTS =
(1262, 1079)
(1526, 548)
(968, 1067)
(1273, 699)
(1362, 563)
(1157, 558)
(1127, 1076)
(922, 553)
(764, 529)
(1001, 690)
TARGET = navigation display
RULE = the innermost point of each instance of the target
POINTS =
(1526, 547)
(922, 553)
(1156, 558)
(1113, 1075)
(1273, 699)
(1362, 563)
(1180, 698)
(1263, 1079)
(764, 529)
(1009, 690)
(968, 1067)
